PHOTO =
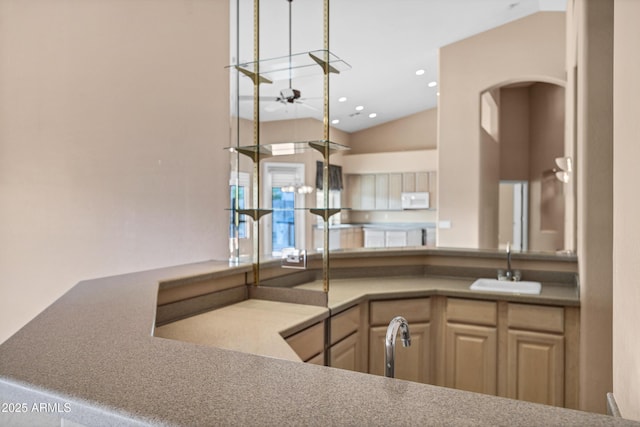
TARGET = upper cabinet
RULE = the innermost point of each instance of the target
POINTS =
(376, 181)
(384, 191)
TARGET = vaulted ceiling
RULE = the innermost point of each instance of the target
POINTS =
(384, 41)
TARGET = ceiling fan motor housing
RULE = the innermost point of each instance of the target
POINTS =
(289, 94)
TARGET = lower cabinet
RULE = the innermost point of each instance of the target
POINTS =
(346, 353)
(346, 349)
(471, 345)
(536, 342)
(522, 351)
(309, 343)
(411, 363)
(470, 361)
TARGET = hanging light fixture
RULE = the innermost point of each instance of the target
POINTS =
(297, 188)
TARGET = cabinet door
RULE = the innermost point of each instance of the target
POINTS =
(433, 190)
(411, 363)
(422, 181)
(374, 238)
(471, 358)
(408, 182)
(354, 191)
(309, 342)
(535, 367)
(346, 353)
(382, 191)
(368, 192)
(395, 191)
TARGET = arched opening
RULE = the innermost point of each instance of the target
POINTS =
(521, 144)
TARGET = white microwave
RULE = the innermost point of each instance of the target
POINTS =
(418, 200)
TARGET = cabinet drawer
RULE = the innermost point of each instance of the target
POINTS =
(309, 342)
(414, 310)
(536, 318)
(471, 311)
(345, 324)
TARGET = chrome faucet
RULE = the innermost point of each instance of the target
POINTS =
(396, 323)
(510, 275)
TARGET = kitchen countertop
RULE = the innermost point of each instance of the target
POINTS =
(251, 326)
(346, 292)
(93, 354)
(263, 321)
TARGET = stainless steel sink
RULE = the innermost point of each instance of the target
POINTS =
(494, 285)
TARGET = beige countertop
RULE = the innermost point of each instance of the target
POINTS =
(345, 292)
(255, 326)
(94, 355)
(251, 326)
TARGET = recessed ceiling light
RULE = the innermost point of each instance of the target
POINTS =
(342, 99)
(432, 84)
(419, 72)
(359, 108)
(335, 121)
(372, 115)
(437, 93)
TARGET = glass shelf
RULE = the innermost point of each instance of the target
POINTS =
(293, 66)
(258, 152)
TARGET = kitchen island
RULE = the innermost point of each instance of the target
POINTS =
(91, 358)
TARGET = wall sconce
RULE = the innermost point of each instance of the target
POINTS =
(565, 167)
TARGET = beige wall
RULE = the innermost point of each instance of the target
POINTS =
(593, 24)
(415, 132)
(514, 134)
(546, 193)
(532, 136)
(529, 49)
(626, 209)
(113, 116)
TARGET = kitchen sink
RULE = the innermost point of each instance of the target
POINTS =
(495, 285)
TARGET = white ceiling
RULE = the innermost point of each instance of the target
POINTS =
(384, 41)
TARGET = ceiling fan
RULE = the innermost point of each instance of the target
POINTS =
(288, 96)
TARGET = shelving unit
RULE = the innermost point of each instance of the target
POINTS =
(319, 62)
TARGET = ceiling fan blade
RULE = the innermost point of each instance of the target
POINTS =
(262, 98)
(305, 105)
(274, 106)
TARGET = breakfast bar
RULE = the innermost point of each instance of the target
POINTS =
(92, 359)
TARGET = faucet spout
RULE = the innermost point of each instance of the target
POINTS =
(397, 323)
(509, 272)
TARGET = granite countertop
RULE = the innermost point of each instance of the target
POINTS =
(93, 354)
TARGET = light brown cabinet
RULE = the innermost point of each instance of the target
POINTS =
(382, 191)
(471, 362)
(411, 363)
(309, 343)
(522, 351)
(346, 342)
(535, 368)
(340, 237)
(471, 344)
(346, 353)
(395, 191)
